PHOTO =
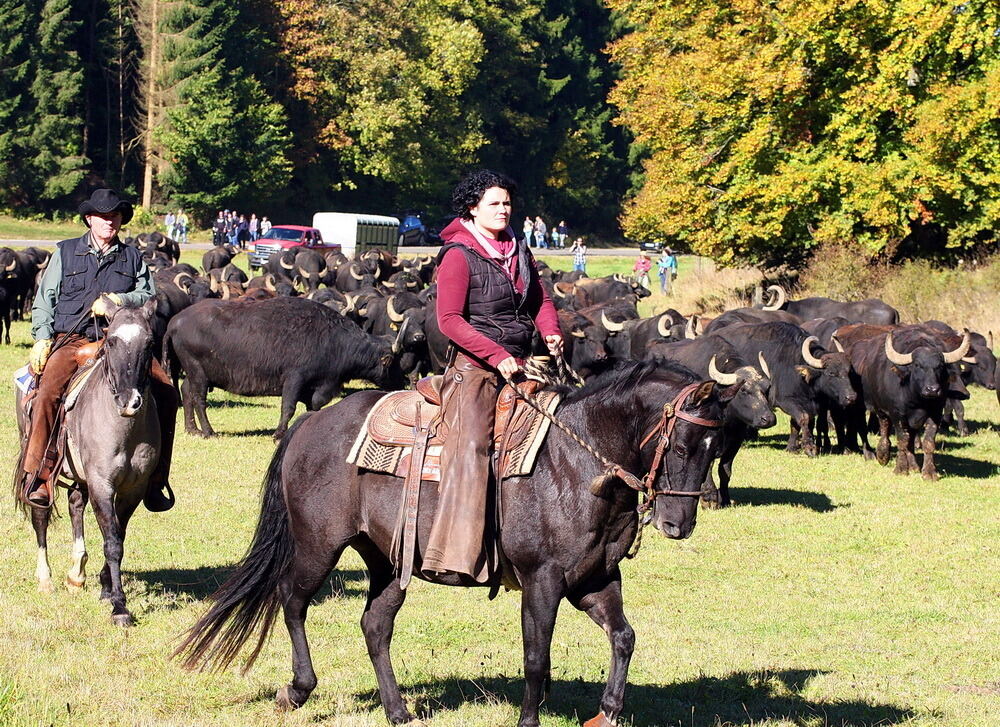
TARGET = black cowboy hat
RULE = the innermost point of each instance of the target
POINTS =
(105, 201)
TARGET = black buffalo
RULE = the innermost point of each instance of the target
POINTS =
(288, 347)
(905, 379)
(803, 377)
(870, 310)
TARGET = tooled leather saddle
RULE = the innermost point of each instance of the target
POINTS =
(385, 442)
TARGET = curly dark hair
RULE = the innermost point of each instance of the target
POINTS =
(473, 186)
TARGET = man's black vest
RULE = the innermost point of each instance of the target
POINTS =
(83, 279)
(494, 307)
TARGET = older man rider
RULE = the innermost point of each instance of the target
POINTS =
(67, 306)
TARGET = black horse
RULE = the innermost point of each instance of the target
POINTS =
(560, 539)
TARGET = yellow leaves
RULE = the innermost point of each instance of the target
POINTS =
(776, 126)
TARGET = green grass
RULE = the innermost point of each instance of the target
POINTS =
(17, 228)
(834, 594)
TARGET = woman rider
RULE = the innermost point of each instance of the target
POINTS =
(489, 304)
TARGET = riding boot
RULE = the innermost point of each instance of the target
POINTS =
(159, 496)
(37, 491)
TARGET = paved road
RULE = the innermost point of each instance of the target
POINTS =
(405, 251)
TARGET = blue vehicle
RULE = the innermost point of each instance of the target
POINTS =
(413, 231)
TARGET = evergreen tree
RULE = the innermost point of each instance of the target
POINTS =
(17, 19)
(227, 146)
(56, 136)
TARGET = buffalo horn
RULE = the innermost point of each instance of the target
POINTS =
(269, 283)
(350, 302)
(663, 325)
(807, 354)
(288, 266)
(177, 280)
(213, 284)
(43, 263)
(900, 359)
(689, 329)
(559, 293)
(577, 333)
(397, 343)
(378, 272)
(777, 300)
(427, 259)
(225, 292)
(10, 268)
(303, 273)
(958, 354)
(610, 325)
(763, 364)
(390, 309)
(724, 379)
(389, 284)
(354, 274)
(989, 337)
(837, 344)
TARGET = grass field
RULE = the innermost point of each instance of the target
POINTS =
(833, 594)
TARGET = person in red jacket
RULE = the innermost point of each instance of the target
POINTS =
(489, 304)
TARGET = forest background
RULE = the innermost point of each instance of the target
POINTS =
(751, 132)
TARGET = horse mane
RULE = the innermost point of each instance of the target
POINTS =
(625, 376)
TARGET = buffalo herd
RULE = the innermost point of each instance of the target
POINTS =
(310, 322)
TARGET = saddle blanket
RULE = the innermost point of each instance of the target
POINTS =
(385, 441)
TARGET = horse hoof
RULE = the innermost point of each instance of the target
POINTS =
(74, 586)
(283, 700)
(46, 586)
(122, 619)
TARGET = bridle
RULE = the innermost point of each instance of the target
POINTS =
(672, 411)
(664, 428)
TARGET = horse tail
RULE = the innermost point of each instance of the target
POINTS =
(171, 364)
(249, 599)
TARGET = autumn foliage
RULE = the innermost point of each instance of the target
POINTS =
(774, 127)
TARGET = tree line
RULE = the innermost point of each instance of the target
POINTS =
(746, 131)
(294, 106)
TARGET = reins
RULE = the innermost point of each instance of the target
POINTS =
(672, 411)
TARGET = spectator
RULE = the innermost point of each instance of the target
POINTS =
(563, 231)
(667, 267)
(529, 230)
(579, 251)
(232, 228)
(540, 230)
(641, 269)
(219, 229)
(265, 225)
(168, 224)
(181, 226)
(254, 227)
(242, 232)
(555, 237)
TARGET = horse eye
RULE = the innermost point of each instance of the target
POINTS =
(681, 450)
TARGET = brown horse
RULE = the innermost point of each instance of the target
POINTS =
(560, 539)
(113, 443)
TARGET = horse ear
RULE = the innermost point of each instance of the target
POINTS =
(703, 392)
(110, 307)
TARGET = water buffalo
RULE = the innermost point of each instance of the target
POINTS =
(289, 347)
(870, 310)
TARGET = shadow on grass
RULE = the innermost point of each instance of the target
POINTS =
(235, 404)
(963, 467)
(199, 583)
(975, 426)
(740, 699)
(763, 496)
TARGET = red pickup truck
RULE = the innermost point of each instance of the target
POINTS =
(284, 237)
